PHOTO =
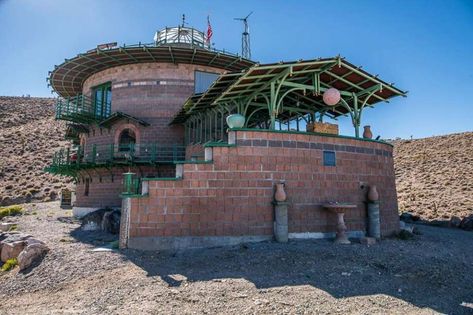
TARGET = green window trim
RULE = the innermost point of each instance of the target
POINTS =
(102, 99)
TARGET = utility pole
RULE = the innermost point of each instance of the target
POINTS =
(245, 37)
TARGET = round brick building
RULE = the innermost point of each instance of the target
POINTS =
(151, 129)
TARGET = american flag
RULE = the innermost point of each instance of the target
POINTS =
(209, 30)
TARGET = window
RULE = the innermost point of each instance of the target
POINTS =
(102, 98)
(203, 80)
(329, 158)
(127, 141)
(86, 189)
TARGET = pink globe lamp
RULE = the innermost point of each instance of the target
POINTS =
(331, 97)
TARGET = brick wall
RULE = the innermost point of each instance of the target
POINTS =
(104, 191)
(232, 195)
(153, 92)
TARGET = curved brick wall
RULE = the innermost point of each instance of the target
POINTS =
(231, 196)
(153, 92)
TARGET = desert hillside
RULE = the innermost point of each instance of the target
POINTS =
(29, 136)
(435, 176)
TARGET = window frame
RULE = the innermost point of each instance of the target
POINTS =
(105, 111)
(195, 81)
(327, 161)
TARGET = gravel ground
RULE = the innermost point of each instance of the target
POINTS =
(428, 274)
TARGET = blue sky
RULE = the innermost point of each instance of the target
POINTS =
(425, 47)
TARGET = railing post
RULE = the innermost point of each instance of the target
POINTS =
(111, 151)
(174, 152)
(153, 153)
(128, 183)
(94, 153)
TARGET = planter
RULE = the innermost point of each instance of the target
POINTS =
(322, 128)
(235, 121)
(367, 134)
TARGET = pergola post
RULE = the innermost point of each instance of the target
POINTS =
(272, 106)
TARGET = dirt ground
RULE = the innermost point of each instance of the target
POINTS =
(428, 274)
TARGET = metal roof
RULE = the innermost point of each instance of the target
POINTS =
(253, 85)
(67, 78)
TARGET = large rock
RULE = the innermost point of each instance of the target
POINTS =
(111, 222)
(6, 226)
(12, 237)
(107, 220)
(12, 250)
(467, 223)
(31, 253)
(93, 221)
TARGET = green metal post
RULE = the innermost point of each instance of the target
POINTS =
(94, 153)
(128, 183)
(153, 152)
(112, 150)
(272, 107)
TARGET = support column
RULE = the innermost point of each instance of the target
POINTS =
(281, 233)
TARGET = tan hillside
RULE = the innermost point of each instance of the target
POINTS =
(434, 176)
(29, 136)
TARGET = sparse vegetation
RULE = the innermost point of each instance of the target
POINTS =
(10, 211)
(29, 136)
(10, 264)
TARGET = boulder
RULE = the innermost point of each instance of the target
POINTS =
(111, 222)
(107, 220)
(409, 217)
(31, 253)
(405, 227)
(6, 226)
(467, 223)
(454, 221)
(12, 250)
(93, 221)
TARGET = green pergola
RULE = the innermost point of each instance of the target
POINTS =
(285, 91)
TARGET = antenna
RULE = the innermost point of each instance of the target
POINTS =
(183, 20)
(245, 37)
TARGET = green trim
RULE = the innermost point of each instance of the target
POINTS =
(218, 144)
(311, 133)
(193, 162)
(161, 178)
(133, 196)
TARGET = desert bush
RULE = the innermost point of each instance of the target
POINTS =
(10, 211)
(10, 264)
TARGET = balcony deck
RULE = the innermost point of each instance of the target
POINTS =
(69, 161)
(81, 109)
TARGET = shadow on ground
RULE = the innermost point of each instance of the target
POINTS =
(431, 271)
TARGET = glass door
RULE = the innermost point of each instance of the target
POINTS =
(102, 100)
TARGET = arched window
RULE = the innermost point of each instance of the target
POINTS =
(126, 140)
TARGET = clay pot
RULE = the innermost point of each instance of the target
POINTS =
(373, 194)
(235, 121)
(280, 194)
(367, 134)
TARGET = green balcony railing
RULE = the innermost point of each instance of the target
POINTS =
(68, 161)
(81, 109)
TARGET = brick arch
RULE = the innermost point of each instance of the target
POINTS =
(121, 128)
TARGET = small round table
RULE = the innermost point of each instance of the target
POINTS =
(340, 208)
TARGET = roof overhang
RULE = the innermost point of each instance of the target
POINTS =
(67, 78)
(115, 117)
(301, 82)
